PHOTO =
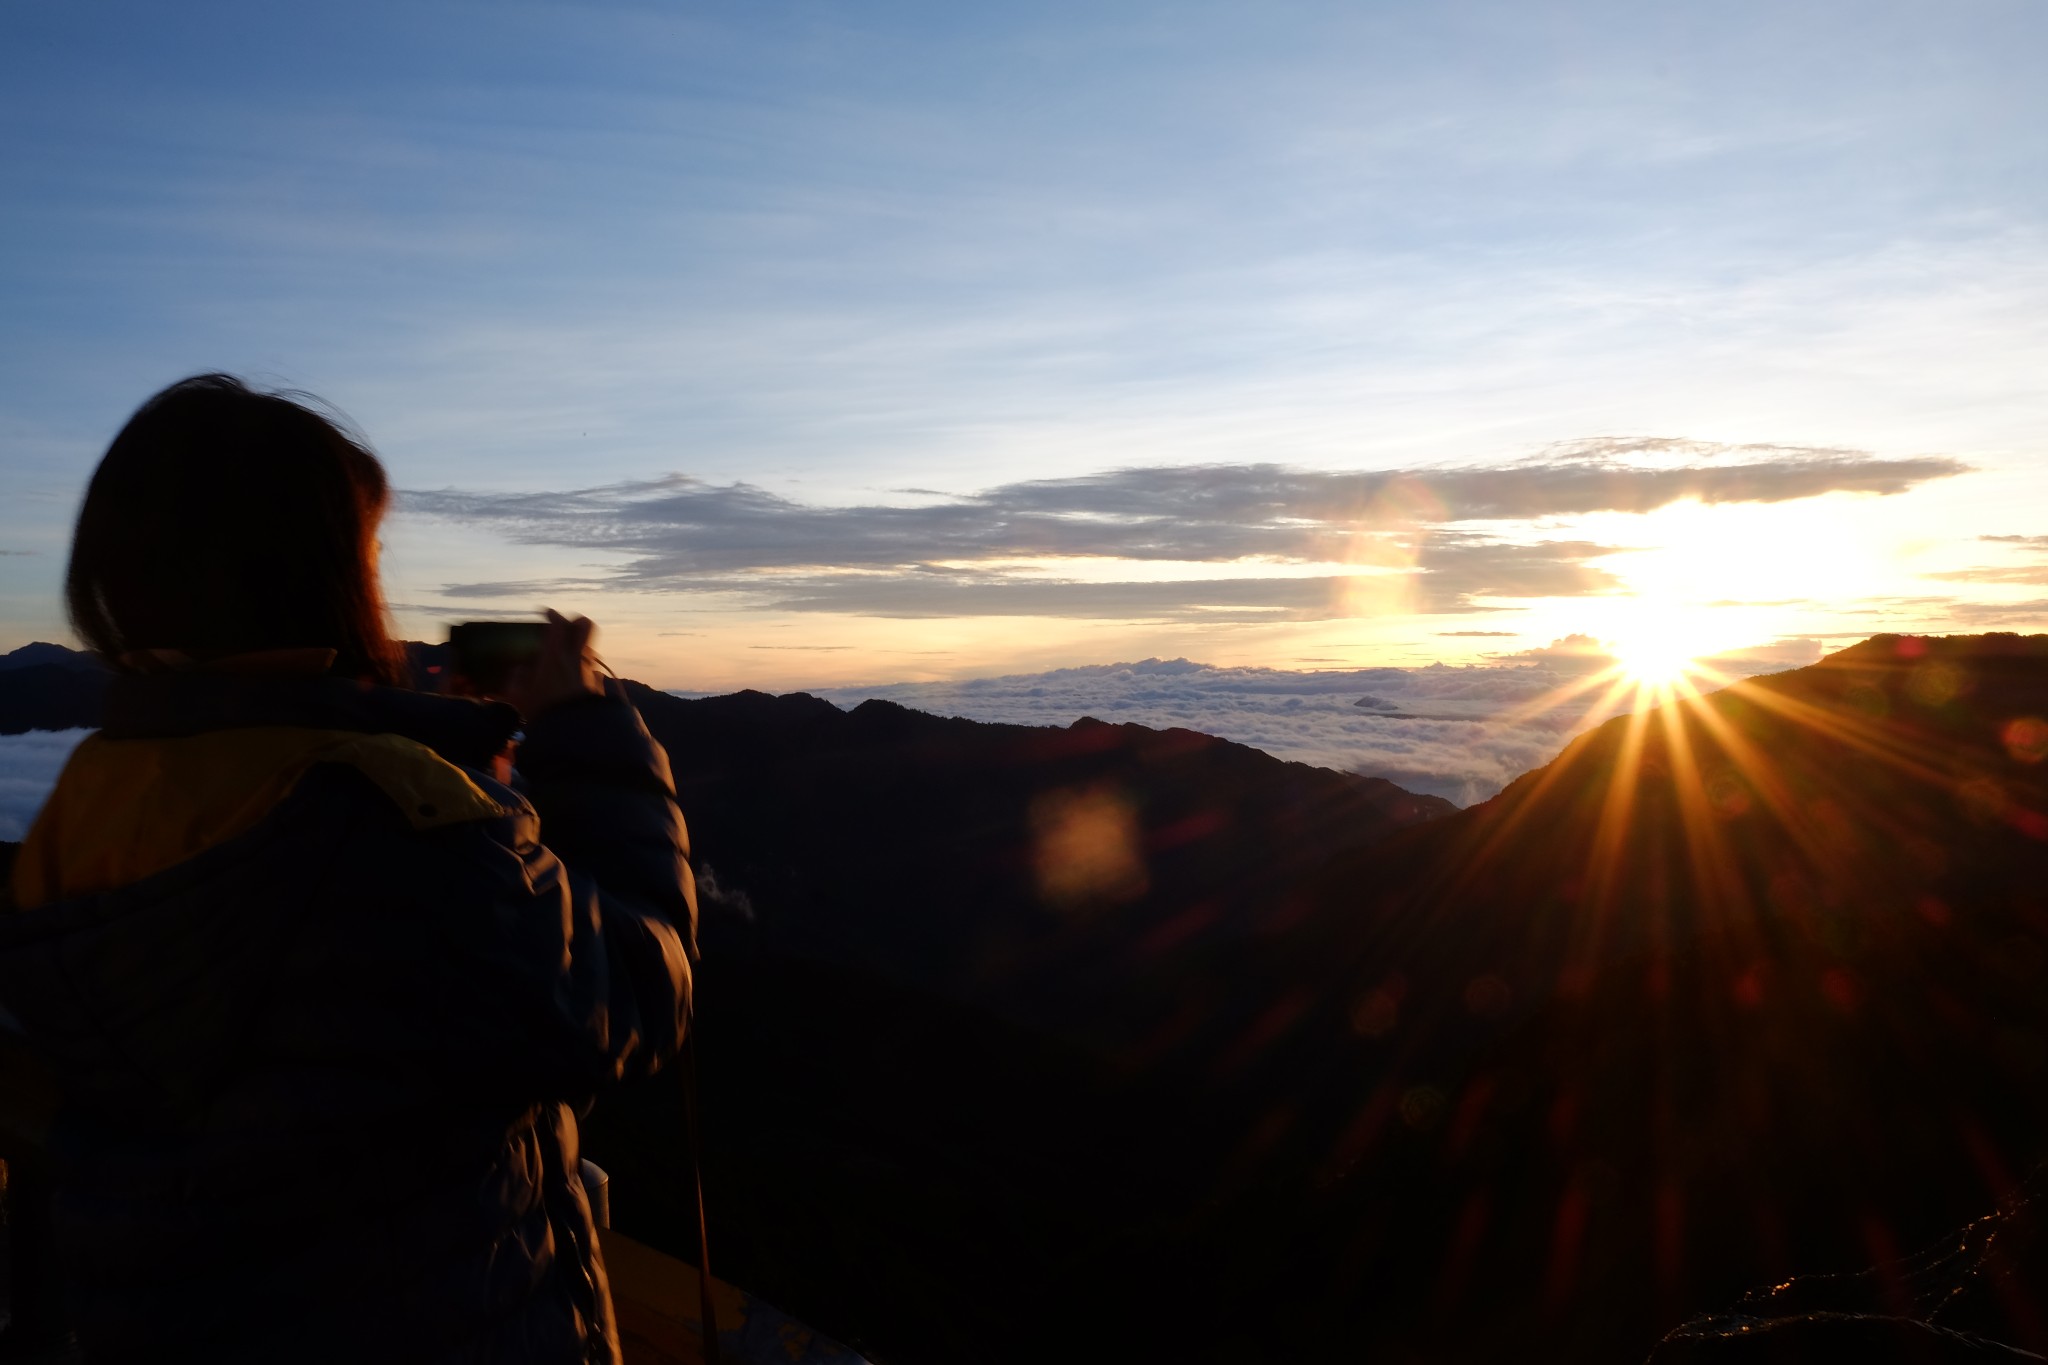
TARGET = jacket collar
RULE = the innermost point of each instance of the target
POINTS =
(171, 705)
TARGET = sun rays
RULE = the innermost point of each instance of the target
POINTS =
(1726, 871)
(1652, 663)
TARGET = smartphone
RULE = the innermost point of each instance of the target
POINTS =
(484, 653)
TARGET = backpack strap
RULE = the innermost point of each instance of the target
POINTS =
(707, 1311)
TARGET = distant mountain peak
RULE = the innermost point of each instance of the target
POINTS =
(43, 652)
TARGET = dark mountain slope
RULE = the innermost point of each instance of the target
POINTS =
(1737, 988)
(972, 859)
(943, 1115)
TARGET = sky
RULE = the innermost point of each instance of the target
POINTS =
(857, 347)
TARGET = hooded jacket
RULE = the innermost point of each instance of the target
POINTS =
(321, 1029)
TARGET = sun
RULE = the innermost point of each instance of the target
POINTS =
(1654, 657)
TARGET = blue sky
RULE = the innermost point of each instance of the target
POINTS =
(869, 259)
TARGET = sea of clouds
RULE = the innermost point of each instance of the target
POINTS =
(1453, 732)
(1458, 732)
(29, 765)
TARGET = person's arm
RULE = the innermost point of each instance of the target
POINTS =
(570, 935)
(601, 785)
(599, 780)
(533, 965)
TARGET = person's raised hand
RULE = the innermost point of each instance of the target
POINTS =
(563, 670)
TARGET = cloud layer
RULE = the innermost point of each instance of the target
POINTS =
(1460, 733)
(29, 765)
(1406, 540)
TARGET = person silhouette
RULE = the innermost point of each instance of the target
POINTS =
(321, 991)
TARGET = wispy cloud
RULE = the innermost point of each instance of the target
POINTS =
(1208, 513)
(2002, 573)
(998, 552)
(1998, 615)
(2033, 574)
(1214, 600)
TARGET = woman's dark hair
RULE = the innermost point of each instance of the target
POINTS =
(223, 521)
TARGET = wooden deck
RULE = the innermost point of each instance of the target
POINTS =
(655, 1297)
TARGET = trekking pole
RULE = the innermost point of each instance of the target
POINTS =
(707, 1314)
